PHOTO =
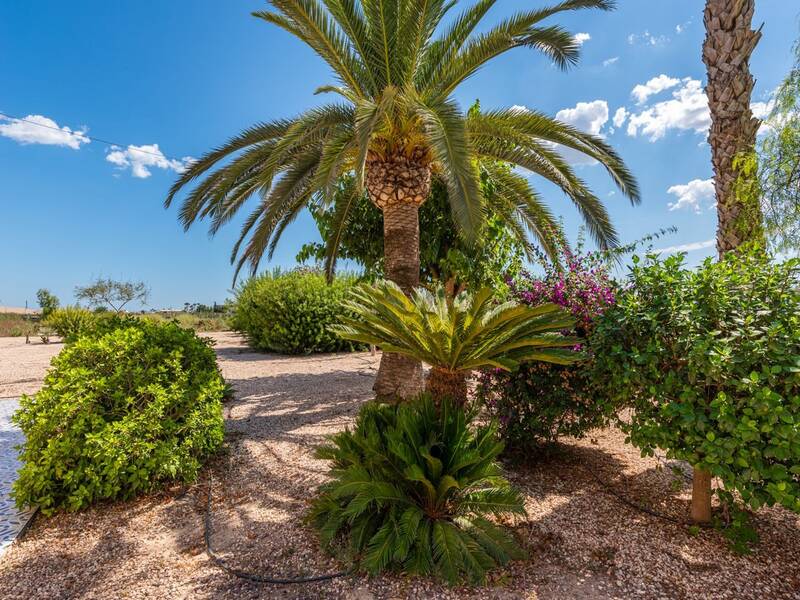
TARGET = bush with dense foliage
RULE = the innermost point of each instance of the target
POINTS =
(291, 312)
(540, 402)
(709, 362)
(119, 413)
(70, 322)
(457, 335)
(412, 490)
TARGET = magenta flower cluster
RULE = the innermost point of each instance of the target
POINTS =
(582, 286)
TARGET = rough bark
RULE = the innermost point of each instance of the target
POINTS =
(398, 185)
(728, 45)
(443, 383)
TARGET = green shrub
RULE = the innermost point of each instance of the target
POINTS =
(119, 413)
(540, 402)
(411, 490)
(69, 322)
(290, 312)
(709, 361)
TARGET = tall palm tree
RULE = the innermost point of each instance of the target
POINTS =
(729, 42)
(396, 126)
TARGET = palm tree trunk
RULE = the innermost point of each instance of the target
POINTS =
(398, 185)
(443, 384)
(729, 42)
(726, 52)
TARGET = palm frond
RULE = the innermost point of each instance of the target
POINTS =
(466, 333)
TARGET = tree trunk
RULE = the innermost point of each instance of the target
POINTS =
(726, 53)
(729, 42)
(398, 185)
(701, 496)
(443, 383)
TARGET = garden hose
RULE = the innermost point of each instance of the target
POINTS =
(641, 508)
(253, 576)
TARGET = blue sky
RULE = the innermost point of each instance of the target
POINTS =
(178, 77)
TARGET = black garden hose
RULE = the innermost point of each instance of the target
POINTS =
(253, 576)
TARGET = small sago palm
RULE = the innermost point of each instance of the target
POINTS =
(457, 335)
(413, 488)
(397, 64)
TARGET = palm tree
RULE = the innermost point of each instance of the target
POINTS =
(396, 127)
(457, 335)
(729, 42)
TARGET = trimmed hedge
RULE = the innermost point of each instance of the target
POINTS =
(120, 413)
(290, 312)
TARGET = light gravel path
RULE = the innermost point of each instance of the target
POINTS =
(582, 542)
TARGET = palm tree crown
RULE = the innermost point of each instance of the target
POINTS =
(396, 126)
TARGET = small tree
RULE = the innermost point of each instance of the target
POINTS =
(48, 302)
(709, 362)
(114, 294)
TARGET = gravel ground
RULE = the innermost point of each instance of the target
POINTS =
(582, 541)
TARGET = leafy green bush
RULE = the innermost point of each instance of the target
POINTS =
(119, 413)
(709, 361)
(69, 322)
(290, 312)
(541, 402)
(411, 490)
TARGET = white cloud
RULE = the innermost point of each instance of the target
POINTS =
(690, 247)
(36, 129)
(655, 86)
(688, 110)
(586, 116)
(580, 38)
(620, 116)
(140, 159)
(610, 61)
(681, 27)
(761, 110)
(692, 194)
(647, 38)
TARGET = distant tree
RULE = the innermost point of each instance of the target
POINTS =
(114, 294)
(47, 301)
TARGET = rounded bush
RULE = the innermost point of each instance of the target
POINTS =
(291, 312)
(118, 415)
(709, 362)
(69, 322)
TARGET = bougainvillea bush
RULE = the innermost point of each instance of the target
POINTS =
(540, 402)
(120, 413)
(709, 362)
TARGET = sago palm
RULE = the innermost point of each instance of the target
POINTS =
(396, 126)
(458, 335)
(413, 487)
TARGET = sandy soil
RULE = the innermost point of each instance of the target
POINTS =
(582, 541)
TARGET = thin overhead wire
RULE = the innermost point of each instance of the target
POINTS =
(130, 147)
